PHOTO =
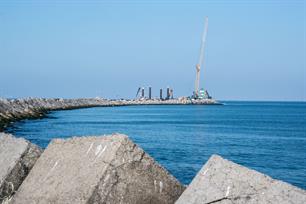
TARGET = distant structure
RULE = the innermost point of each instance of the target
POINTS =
(197, 93)
(138, 92)
(201, 59)
(150, 92)
(168, 93)
(161, 94)
(142, 92)
(171, 93)
(203, 94)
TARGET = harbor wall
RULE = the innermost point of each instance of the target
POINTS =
(17, 109)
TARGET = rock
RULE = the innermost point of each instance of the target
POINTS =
(108, 169)
(222, 181)
(17, 157)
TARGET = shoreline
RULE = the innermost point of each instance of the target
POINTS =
(12, 110)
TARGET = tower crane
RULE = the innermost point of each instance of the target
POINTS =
(201, 60)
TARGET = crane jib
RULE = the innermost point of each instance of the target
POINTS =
(201, 58)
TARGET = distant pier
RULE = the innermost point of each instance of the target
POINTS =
(17, 109)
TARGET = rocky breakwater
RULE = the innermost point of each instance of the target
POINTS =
(221, 181)
(106, 169)
(112, 169)
(16, 109)
(17, 157)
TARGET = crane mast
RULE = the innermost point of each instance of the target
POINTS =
(201, 59)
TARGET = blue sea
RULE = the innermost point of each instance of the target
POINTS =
(269, 137)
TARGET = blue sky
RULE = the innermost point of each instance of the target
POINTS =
(255, 49)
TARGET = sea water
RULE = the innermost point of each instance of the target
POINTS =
(269, 137)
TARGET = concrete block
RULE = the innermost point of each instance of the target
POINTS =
(222, 181)
(17, 157)
(107, 169)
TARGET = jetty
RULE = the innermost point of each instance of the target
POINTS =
(29, 108)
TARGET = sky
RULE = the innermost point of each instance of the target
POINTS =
(255, 50)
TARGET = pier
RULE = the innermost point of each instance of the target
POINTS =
(17, 109)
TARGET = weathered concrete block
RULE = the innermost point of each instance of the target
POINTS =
(17, 157)
(108, 169)
(222, 181)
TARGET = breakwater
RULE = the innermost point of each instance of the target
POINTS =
(113, 169)
(17, 109)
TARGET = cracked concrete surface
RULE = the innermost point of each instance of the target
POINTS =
(108, 169)
(17, 157)
(222, 181)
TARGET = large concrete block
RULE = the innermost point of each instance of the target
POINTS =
(222, 181)
(17, 157)
(107, 169)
